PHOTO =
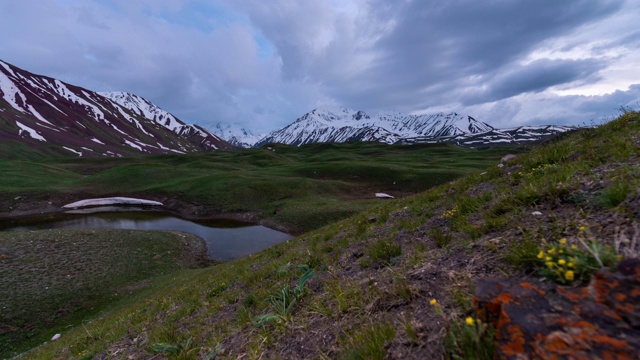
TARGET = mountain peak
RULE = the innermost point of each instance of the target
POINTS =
(237, 135)
(55, 116)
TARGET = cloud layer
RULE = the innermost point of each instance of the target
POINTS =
(264, 63)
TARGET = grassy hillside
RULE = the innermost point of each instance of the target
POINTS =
(292, 189)
(397, 280)
(53, 280)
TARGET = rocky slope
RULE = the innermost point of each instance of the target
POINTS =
(57, 117)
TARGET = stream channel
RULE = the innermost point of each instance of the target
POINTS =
(226, 239)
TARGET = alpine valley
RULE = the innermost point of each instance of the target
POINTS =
(58, 118)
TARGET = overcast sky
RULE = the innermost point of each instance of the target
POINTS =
(264, 63)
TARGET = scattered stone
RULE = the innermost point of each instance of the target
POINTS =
(507, 158)
(56, 337)
(384, 196)
(536, 213)
(599, 321)
(483, 173)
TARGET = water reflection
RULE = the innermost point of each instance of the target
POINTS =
(226, 240)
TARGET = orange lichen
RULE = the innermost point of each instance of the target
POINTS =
(558, 342)
(574, 296)
(504, 298)
(620, 297)
(530, 286)
(603, 286)
(614, 343)
(626, 308)
(516, 343)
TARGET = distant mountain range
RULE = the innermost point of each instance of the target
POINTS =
(61, 118)
(345, 125)
(237, 135)
(57, 117)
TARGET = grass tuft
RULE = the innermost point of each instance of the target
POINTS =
(383, 251)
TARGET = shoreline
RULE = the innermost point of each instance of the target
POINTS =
(34, 206)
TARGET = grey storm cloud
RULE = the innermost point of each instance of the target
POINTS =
(264, 63)
(536, 76)
(435, 43)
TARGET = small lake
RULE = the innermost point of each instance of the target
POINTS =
(226, 240)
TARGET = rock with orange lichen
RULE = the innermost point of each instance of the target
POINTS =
(546, 321)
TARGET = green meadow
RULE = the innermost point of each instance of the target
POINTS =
(293, 189)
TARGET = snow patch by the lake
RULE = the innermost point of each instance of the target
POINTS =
(111, 201)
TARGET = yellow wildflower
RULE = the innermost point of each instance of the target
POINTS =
(573, 247)
(433, 301)
(541, 254)
(549, 264)
(552, 251)
(560, 251)
(548, 258)
(469, 320)
(569, 275)
(570, 264)
(562, 241)
(562, 262)
(582, 228)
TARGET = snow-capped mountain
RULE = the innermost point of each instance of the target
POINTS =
(236, 135)
(50, 114)
(343, 125)
(144, 108)
(519, 135)
(392, 127)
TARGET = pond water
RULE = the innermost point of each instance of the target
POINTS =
(226, 240)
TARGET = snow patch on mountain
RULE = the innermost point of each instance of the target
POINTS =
(145, 108)
(65, 92)
(10, 91)
(32, 133)
(79, 153)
